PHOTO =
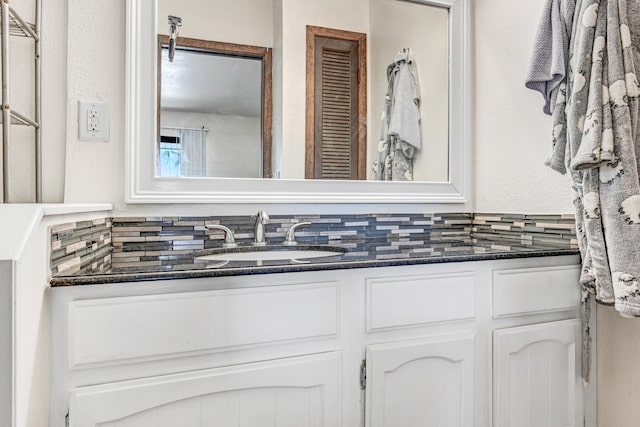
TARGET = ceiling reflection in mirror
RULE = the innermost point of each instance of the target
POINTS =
(211, 103)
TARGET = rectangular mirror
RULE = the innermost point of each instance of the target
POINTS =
(208, 144)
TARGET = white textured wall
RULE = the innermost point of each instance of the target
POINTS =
(618, 374)
(511, 136)
(54, 98)
(95, 71)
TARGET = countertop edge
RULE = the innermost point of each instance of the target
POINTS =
(65, 281)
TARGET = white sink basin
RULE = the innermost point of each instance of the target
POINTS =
(268, 255)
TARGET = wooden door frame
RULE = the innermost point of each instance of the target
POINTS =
(361, 40)
(245, 51)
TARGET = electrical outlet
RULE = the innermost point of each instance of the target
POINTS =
(93, 121)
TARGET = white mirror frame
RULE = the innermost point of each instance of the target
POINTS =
(142, 186)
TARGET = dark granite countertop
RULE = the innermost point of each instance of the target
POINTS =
(356, 255)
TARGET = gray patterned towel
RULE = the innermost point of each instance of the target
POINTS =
(596, 124)
(548, 64)
(595, 138)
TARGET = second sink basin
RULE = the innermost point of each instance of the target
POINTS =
(270, 253)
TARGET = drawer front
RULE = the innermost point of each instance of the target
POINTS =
(535, 290)
(122, 330)
(418, 300)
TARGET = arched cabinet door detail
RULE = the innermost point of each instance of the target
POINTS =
(536, 377)
(295, 392)
(426, 382)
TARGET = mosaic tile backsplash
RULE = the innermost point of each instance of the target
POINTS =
(81, 247)
(135, 242)
(556, 230)
(146, 242)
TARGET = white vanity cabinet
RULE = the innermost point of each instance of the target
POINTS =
(485, 343)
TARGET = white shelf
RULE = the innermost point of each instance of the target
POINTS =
(19, 27)
(21, 120)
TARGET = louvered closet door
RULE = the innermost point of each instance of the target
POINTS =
(336, 109)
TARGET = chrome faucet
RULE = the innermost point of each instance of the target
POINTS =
(261, 220)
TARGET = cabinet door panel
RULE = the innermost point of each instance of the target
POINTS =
(421, 383)
(295, 392)
(537, 375)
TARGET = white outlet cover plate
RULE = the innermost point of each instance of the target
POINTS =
(84, 134)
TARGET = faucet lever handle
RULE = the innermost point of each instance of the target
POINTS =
(262, 217)
(290, 237)
(229, 239)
